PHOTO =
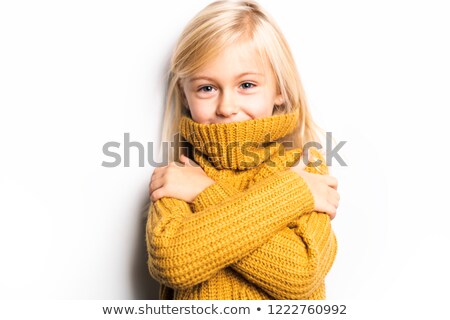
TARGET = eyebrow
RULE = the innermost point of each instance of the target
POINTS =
(200, 77)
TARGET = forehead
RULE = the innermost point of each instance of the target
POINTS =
(236, 59)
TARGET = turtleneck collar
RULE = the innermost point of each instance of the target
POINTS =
(237, 145)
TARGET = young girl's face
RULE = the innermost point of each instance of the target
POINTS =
(233, 87)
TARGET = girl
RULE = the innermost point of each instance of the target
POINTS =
(236, 214)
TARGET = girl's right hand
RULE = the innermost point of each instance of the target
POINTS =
(323, 189)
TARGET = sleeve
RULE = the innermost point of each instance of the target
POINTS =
(294, 262)
(186, 248)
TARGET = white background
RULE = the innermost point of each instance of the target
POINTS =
(75, 75)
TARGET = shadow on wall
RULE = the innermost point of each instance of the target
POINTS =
(144, 286)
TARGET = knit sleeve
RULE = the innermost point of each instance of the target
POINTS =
(187, 248)
(293, 264)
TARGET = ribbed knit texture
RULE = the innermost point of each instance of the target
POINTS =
(237, 145)
(252, 234)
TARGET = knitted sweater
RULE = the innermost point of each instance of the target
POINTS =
(252, 234)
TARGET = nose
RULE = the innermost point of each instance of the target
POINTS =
(227, 105)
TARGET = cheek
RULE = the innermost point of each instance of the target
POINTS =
(201, 109)
(258, 106)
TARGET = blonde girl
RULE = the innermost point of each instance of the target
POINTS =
(236, 213)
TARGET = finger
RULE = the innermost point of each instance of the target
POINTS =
(156, 176)
(331, 211)
(162, 191)
(334, 198)
(332, 215)
(155, 184)
(159, 170)
(332, 195)
(188, 161)
(183, 159)
(157, 194)
(155, 171)
(332, 182)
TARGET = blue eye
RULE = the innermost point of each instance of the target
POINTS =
(247, 85)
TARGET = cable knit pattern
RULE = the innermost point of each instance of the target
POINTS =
(252, 234)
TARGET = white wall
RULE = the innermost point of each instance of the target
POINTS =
(76, 75)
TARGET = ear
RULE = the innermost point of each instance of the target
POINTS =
(279, 100)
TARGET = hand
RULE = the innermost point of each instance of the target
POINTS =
(183, 180)
(322, 187)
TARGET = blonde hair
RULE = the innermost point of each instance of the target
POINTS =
(225, 23)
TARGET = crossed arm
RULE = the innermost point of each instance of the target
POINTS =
(268, 233)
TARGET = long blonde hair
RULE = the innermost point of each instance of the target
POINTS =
(224, 23)
(220, 24)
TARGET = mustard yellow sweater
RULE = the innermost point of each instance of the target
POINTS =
(252, 234)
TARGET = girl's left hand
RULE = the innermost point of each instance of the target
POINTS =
(182, 181)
